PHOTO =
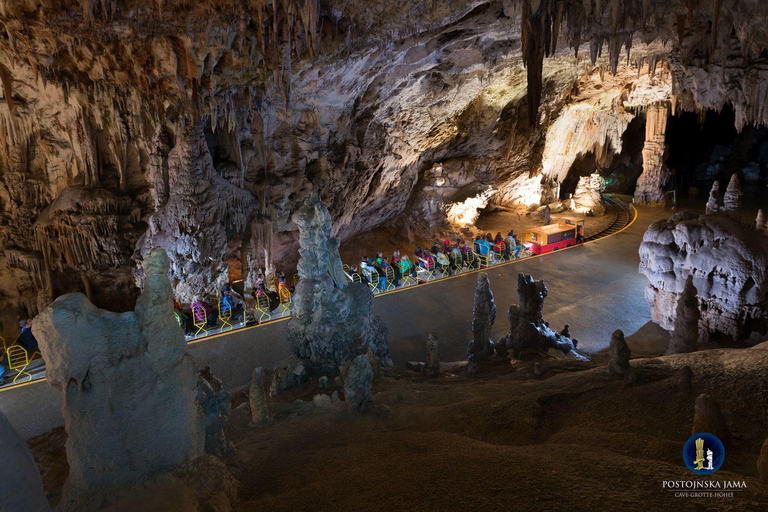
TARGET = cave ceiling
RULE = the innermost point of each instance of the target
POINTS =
(197, 125)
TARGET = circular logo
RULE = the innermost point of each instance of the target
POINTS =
(703, 453)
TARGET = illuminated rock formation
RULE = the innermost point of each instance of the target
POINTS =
(529, 334)
(685, 334)
(760, 221)
(20, 483)
(650, 185)
(729, 268)
(587, 198)
(732, 197)
(196, 217)
(130, 390)
(715, 202)
(483, 317)
(331, 320)
(619, 352)
(762, 462)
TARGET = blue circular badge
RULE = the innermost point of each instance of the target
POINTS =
(703, 453)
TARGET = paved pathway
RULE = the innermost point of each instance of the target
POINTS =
(595, 287)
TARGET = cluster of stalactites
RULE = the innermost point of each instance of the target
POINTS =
(615, 22)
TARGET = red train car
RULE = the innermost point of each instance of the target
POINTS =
(554, 236)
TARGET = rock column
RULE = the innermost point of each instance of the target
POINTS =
(650, 184)
(685, 335)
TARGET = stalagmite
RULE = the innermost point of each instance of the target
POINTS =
(714, 203)
(331, 319)
(619, 351)
(358, 380)
(650, 184)
(529, 334)
(130, 390)
(21, 487)
(760, 221)
(483, 317)
(732, 196)
(685, 335)
(432, 365)
(257, 398)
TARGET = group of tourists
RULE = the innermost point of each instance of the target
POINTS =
(443, 258)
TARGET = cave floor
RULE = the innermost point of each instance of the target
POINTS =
(595, 287)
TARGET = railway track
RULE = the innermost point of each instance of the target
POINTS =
(624, 215)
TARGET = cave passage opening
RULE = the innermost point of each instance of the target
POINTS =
(706, 146)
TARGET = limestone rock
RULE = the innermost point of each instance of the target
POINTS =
(20, 484)
(331, 319)
(257, 398)
(760, 221)
(714, 203)
(685, 335)
(529, 334)
(732, 196)
(358, 380)
(709, 418)
(322, 402)
(588, 195)
(620, 353)
(432, 366)
(729, 265)
(483, 317)
(129, 388)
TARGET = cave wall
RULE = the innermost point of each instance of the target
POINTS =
(198, 127)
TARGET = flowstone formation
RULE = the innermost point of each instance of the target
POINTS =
(331, 320)
(728, 263)
(529, 334)
(20, 484)
(483, 317)
(131, 401)
(685, 334)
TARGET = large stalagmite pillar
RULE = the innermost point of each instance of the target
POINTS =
(650, 184)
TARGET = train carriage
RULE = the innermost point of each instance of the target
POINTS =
(566, 232)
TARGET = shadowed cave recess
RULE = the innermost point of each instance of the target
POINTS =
(156, 151)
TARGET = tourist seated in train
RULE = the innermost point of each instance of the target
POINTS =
(364, 266)
(443, 263)
(354, 270)
(457, 261)
(3, 368)
(231, 300)
(483, 246)
(435, 248)
(489, 238)
(260, 288)
(518, 246)
(185, 318)
(406, 267)
(198, 306)
(26, 339)
(281, 278)
(579, 235)
(396, 265)
(419, 256)
(385, 266)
